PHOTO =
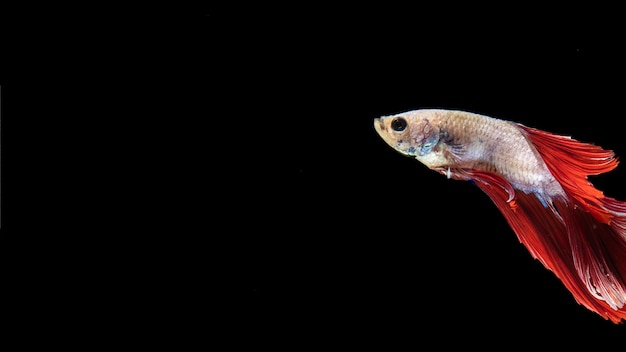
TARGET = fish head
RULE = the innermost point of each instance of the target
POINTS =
(415, 134)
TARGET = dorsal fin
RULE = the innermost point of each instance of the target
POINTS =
(571, 162)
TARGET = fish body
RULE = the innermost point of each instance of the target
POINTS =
(538, 181)
(471, 141)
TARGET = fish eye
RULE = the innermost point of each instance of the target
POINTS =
(398, 124)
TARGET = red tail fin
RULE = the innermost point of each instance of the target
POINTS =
(570, 162)
(595, 224)
(581, 238)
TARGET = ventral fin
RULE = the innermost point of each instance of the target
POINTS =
(585, 254)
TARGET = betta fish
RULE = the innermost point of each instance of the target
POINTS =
(539, 182)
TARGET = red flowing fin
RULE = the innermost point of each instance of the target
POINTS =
(582, 252)
(537, 227)
(571, 162)
(600, 261)
(598, 247)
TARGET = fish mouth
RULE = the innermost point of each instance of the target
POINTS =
(379, 126)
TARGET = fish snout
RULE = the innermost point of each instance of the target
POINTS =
(379, 126)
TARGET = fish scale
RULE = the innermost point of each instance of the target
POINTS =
(501, 145)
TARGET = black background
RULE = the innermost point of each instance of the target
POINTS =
(339, 237)
(234, 185)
